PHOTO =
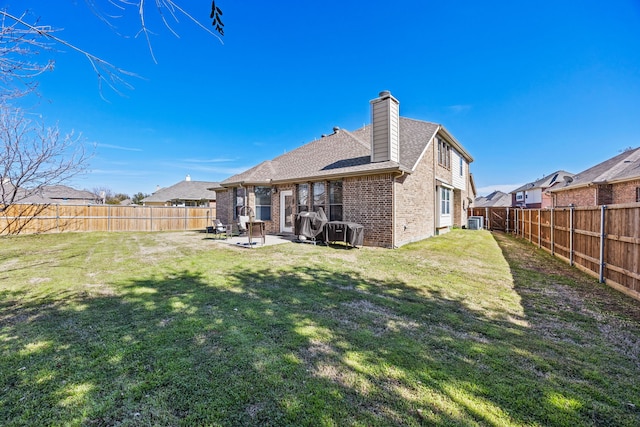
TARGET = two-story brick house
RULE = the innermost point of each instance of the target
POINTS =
(403, 179)
(534, 195)
(614, 181)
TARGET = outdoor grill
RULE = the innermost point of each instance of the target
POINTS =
(310, 225)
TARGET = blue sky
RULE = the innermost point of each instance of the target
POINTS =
(526, 87)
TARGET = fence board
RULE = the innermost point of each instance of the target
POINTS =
(609, 249)
(30, 219)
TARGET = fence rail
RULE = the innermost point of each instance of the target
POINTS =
(30, 219)
(603, 241)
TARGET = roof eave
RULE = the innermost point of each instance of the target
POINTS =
(391, 169)
(456, 144)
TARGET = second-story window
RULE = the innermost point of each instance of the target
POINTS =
(444, 154)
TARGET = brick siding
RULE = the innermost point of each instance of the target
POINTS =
(368, 200)
(618, 193)
(415, 202)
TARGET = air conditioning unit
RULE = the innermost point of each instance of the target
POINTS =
(480, 220)
(475, 223)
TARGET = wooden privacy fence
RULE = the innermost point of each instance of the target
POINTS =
(603, 241)
(29, 219)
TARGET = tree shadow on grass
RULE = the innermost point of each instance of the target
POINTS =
(263, 346)
(585, 335)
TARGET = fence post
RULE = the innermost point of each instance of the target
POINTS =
(571, 234)
(58, 217)
(108, 218)
(530, 224)
(602, 240)
(507, 223)
(539, 229)
(486, 218)
(552, 234)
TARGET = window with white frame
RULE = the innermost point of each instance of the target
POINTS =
(263, 203)
(461, 166)
(445, 201)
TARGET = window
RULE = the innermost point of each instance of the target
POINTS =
(444, 154)
(445, 201)
(319, 196)
(335, 201)
(461, 166)
(638, 194)
(238, 201)
(520, 196)
(303, 197)
(604, 194)
(263, 203)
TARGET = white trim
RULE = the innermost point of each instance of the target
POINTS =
(283, 194)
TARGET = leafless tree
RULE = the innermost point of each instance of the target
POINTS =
(32, 157)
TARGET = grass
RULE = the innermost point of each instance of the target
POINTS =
(156, 329)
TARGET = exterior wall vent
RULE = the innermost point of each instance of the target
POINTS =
(385, 128)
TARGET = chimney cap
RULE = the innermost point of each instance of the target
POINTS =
(385, 93)
(336, 129)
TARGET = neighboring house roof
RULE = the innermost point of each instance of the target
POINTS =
(345, 153)
(53, 194)
(623, 167)
(495, 199)
(184, 190)
(545, 182)
(68, 193)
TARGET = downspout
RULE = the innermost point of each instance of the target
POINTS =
(394, 243)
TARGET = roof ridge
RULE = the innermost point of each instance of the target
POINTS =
(364, 143)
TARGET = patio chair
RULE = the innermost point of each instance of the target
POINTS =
(219, 228)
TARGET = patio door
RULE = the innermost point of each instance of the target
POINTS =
(286, 211)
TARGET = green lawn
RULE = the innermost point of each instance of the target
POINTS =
(175, 329)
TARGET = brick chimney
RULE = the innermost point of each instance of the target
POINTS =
(385, 128)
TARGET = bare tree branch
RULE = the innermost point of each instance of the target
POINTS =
(33, 156)
(21, 41)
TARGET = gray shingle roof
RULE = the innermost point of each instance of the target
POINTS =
(184, 190)
(623, 167)
(51, 194)
(341, 153)
(64, 192)
(495, 199)
(550, 180)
